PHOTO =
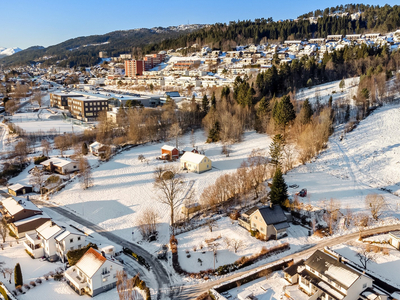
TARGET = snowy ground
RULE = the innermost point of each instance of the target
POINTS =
(123, 187)
(274, 285)
(365, 162)
(322, 92)
(384, 266)
(297, 237)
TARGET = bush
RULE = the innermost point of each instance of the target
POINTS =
(39, 281)
(32, 283)
(139, 258)
(4, 293)
(74, 255)
(39, 159)
(27, 287)
(30, 254)
(12, 234)
(58, 276)
(52, 179)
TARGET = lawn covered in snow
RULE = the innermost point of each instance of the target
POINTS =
(123, 187)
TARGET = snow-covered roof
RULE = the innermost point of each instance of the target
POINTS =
(59, 162)
(16, 187)
(65, 234)
(95, 144)
(192, 157)
(48, 230)
(330, 290)
(16, 204)
(90, 262)
(168, 148)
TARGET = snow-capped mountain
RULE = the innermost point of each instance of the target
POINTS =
(8, 51)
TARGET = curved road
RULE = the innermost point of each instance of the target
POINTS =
(157, 268)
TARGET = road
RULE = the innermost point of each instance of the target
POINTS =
(157, 268)
(192, 291)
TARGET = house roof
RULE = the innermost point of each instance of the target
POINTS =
(273, 215)
(334, 270)
(316, 281)
(65, 234)
(168, 148)
(59, 162)
(282, 225)
(95, 144)
(172, 94)
(16, 204)
(90, 262)
(292, 270)
(250, 211)
(16, 187)
(48, 230)
(31, 219)
(192, 157)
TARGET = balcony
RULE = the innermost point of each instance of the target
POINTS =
(34, 246)
(78, 282)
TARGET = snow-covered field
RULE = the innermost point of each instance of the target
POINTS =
(297, 237)
(384, 266)
(123, 187)
(367, 160)
(322, 92)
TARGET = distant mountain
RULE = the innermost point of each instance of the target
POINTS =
(83, 51)
(8, 51)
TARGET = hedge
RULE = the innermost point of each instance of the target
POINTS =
(74, 255)
(39, 159)
(4, 293)
(137, 257)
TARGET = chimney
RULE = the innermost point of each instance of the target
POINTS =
(339, 258)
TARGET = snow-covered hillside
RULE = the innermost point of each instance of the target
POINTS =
(8, 51)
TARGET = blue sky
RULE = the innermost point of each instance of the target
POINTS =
(26, 23)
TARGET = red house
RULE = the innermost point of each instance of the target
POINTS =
(169, 152)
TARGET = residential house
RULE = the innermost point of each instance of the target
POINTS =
(59, 165)
(19, 189)
(18, 208)
(195, 162)
(47, 234)
(268, 221)
(169, 153)
(394, 239)
(93, 273)
(291, 274)
(326, 277)
(94, 148)
(69, 240)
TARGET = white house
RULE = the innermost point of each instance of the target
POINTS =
(195, 162)
(46, 234)
(59, 165)
(94, 147)
(327, 277)
(68, 241)
(93, 273)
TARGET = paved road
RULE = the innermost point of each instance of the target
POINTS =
(157, 268)
(192, 291)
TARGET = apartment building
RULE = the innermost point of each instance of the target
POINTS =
(186, 64)
(87, 108)
(60, 99)
(152, 60)
(134, 67)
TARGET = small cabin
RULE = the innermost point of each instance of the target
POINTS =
(169, 153)
(19, 189)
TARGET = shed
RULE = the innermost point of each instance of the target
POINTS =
(19, 189)
(195, 162)
(169, 152)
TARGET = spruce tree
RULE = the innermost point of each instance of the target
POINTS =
(276, 149)
(213, 100)
(18, 275)
(330, 101)
(284, 111)
(306, 112)
(205, 104)
(278, 192)
(84, 148)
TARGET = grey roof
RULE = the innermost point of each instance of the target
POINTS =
(282, 225)
(250, 211)
(273, 215)
(172, 94)
(292, 270)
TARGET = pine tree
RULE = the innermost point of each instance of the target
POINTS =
(284, 111)
(204, 104)
(18, 275)
(213, 100)
(330, 101)
(306, 112)
(276, 149)
(347, 115)
(278, 192)
(84, 148)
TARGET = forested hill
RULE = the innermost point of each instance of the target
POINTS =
(83, 51)
(224, 36)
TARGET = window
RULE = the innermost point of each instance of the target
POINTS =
(71, 240)
(79, 238)
(364, 285)
(79, 246)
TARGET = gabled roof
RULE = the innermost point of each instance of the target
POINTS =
(172, 94)
(292, 270)
(90, 262)
(250, 211)
(59, 162)
(333, 269)
(48, 230)
(31, 219)
(168, 148)
(65, 234)
(16, 187)
(273, 215)
(16, 204)
(193, 157)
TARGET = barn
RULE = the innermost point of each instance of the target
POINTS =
(169, 152)
(195, 162)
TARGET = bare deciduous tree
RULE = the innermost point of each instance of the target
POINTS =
(45, 147)
(147, 222)
(168, 185)
(375, 204)
(257, 170)
(332, 208)
(236, 244)
(365, 256)
(61, 144)
(3, 229)
(85, 173)
(174, 132)
(126, 287)
(37, 178)
(212, 224)
(38, 97)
